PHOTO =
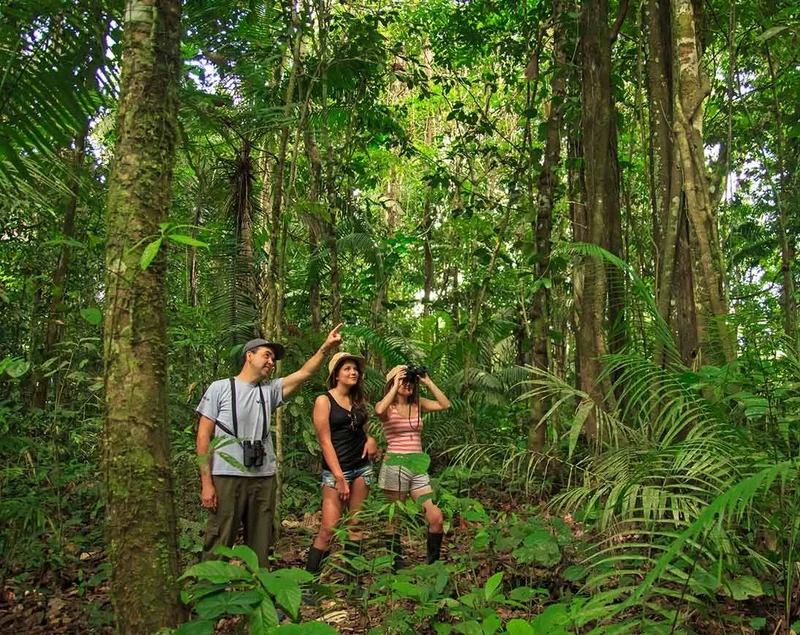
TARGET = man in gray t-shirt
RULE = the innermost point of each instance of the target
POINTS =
(233, 493)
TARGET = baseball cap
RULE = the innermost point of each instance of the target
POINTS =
(277, 349)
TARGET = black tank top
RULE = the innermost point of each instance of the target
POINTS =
(347, 435)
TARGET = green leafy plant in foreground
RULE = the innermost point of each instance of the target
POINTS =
(218, 588)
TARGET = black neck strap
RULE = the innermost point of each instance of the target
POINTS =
(234, 408)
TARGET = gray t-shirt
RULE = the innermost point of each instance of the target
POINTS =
(216, 405)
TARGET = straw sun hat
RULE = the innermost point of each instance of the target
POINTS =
(342, 356)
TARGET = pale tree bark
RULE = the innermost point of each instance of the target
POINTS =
(691, 87)
(675, 288)
(543, 225)
(142, 546)
(597, 129)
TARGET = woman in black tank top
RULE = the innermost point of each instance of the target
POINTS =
(340, 420)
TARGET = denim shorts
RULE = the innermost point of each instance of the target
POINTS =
(349, 475)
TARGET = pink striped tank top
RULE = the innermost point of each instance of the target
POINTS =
(403, 435)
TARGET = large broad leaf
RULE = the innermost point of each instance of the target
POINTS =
(150, 252)
(216, 571)
(575, 572)
(229, 603)
(539, 547)
(298, 575)
(186, 240)
(196, 627)
(492, 584)
(284, 589)
(16, 367)
(195, 592)
(263, 618)
(519, 627)
(552, 620)
(491, 624)
(242, 552)
(92, 315)
(743, 588)
(417, 462)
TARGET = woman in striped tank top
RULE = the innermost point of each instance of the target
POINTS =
(401, 412)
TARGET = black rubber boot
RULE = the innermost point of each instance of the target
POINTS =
(315, 559)
(395, 549)
(352, 549)
(434, 547)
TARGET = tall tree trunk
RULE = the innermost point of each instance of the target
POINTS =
(691, 87)
(543, 226)
(597, 128)
(675, 285)
(142, 546)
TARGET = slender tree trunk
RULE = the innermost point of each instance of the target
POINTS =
(60, 276)
(323, 18)
(315, 229)
(142, 547)
(270, 312)
(543, 226)
(194, 275)
(427, 228)
(580, 234)
(57, 295)
(597, 128)
(787, 243)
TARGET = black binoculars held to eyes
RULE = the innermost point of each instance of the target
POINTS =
(413, 373)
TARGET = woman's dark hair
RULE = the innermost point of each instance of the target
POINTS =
(358, 393)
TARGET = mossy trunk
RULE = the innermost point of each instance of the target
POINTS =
(597, 128)
(142, 544)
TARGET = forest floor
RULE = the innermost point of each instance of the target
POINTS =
(76, 599)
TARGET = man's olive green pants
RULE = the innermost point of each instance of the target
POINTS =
(242, 500)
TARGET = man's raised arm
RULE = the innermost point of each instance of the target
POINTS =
(292, 382)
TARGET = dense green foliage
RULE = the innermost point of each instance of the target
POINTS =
(379, 164)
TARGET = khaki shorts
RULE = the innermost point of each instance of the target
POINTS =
(395, 478)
